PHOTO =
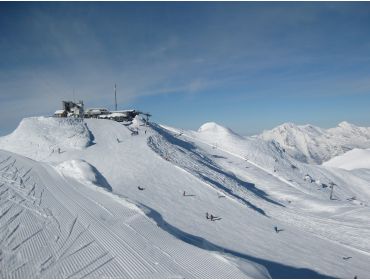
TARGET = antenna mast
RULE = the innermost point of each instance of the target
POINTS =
(115, 97)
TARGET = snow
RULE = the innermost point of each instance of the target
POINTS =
(83, 172)
(312, 144)
(57, 112)
(117, 115)
(354, 159)
(85, 204)
(215, 129)
(40, 137)
(85, 233)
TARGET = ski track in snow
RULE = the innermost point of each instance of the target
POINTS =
(108, 246)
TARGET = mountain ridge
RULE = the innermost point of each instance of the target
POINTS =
(312, 144)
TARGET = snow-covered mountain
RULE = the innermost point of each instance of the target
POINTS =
(92, 199)
(312, 144)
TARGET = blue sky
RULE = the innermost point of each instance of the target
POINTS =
(249, 66)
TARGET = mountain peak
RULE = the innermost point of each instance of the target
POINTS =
(345, 124)
(212, 127)
(288, 125)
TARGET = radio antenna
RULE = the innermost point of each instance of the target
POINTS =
(115, 97)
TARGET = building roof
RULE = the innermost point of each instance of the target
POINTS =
(99, 109)
(117, 115)
(123, 111)
(94, 112)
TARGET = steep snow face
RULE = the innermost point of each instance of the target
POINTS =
(299, 141)
(311, 144)
(354, 159)
(40, 137)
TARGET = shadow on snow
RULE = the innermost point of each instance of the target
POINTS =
(100, 179)
(276, 270)
(207, 162)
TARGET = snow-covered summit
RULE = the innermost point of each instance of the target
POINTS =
(212, 127)
(212, 131)
(345, 124)
(357, 134)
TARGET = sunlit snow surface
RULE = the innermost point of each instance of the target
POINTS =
(354, 159)
(89, 199)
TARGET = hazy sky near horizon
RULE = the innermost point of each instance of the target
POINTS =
(246, 65)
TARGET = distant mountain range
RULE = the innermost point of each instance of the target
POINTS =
(311, 144)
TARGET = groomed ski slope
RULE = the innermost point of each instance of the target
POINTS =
(56, 227)
(89, 198)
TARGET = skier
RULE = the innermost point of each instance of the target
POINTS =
(184, 194)
(277, 230)
(212, 217)
(207, 216)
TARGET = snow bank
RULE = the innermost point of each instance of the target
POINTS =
(40, 137)
(83, 172)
